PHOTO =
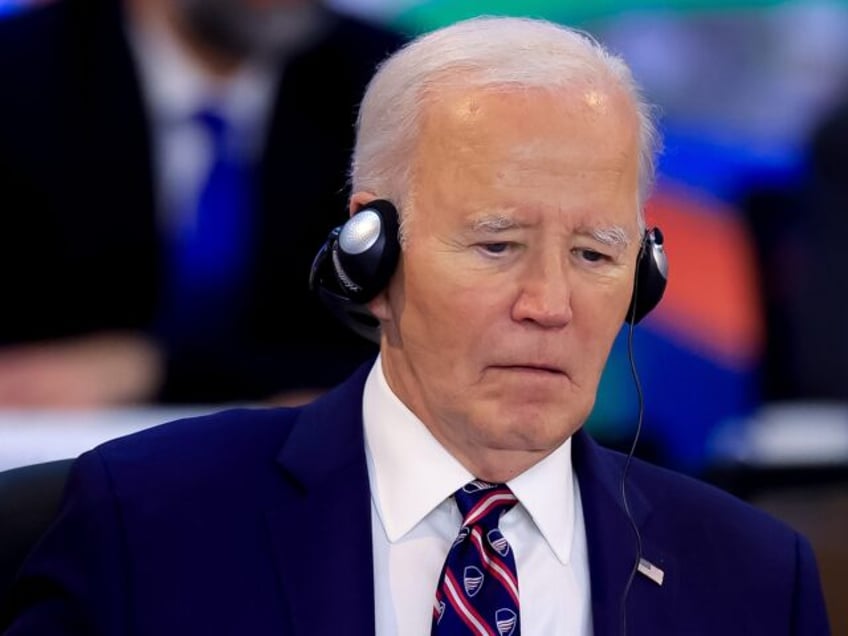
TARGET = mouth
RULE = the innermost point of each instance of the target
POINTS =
(543, 369)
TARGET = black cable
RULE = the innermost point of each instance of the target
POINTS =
(641, 403)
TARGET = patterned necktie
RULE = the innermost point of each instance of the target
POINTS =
(478, 589)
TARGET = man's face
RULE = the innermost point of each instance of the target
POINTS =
(518, 269)
(251, 27)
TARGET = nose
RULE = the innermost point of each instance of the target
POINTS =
(544, 296)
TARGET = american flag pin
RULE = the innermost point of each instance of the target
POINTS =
(651, 571)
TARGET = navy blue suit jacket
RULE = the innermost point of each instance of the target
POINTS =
(259, 522)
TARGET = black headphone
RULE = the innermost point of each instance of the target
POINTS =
(359, 257)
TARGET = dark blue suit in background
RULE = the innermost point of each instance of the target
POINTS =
(259, 522)
(83, 242)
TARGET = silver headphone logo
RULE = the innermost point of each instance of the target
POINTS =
(344, 279)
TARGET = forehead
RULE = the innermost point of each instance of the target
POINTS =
(517, 152)
(512, 117)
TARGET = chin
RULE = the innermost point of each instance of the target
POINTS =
(531, 435)
(551, 412)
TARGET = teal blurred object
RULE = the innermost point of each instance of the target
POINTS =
(431, 14)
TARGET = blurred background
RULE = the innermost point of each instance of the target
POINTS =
(742, 88)
(743, 368)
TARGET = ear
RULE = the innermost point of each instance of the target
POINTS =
(379, 305)
(359, 200)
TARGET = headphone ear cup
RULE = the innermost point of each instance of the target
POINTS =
(651, 276)
(355, 264)
(366, 253)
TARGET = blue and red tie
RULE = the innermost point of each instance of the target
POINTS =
(478, 589)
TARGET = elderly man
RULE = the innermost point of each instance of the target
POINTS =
(498, 180)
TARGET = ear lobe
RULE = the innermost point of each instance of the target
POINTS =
(379, 306)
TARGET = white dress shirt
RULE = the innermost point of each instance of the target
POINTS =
(175, 88)
(415, 520)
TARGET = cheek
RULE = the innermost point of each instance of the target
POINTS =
(608, 297)
(448, 321)
(600, 318)
(597, 349)
(443, 307)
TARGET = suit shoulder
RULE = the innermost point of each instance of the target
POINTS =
(36, 50)
(33, 36)
(17, 29)
(204, 445)
(357, 44)
(748, 567)
(685, 501)
(27, 42)
(368, 32)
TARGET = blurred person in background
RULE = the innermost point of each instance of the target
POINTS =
(800, 227)
(167, 169)
(820, 311)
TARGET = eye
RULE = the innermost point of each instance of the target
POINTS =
(591, 256)
(494, 248)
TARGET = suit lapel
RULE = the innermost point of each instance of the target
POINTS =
(321, 529)
(612, 544)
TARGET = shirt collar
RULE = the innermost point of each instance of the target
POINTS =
(176, 87)
(404, 457)
(552, 509)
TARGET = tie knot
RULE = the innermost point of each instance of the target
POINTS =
(483, 504)
(215, 124)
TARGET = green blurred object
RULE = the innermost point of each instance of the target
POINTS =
(433, 14)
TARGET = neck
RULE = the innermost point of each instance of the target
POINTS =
(163, 15)
(500, 466)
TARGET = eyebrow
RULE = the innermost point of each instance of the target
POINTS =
(615, 236)
(495, 223)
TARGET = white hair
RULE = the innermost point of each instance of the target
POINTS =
(483, 52)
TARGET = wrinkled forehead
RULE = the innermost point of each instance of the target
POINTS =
(512, 154)
(465, 92)
(528, 125)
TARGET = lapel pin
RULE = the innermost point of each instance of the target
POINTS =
(651, 571)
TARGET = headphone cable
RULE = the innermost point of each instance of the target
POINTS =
(630, 454)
